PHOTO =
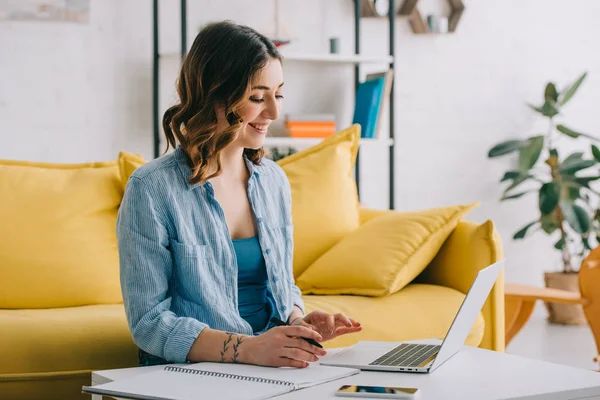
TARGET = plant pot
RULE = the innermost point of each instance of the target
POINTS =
(564, 314)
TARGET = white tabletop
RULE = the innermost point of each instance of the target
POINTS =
(472, 374)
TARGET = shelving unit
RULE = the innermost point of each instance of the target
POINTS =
(356, 59)
(307, 142)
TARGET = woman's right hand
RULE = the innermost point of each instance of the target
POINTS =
(282, 346)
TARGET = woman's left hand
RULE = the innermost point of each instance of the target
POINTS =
(328, 325)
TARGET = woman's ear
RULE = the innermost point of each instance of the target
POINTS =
(233, 118)
(220, 111)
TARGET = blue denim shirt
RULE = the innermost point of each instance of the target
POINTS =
(177, 261)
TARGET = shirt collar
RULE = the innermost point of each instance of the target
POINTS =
(183, 161)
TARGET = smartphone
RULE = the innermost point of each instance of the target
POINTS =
(377, 392)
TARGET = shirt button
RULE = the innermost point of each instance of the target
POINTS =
(275, 279)
(284, 308)
(259, 220)
(268, 251)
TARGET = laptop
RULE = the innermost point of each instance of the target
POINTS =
(421, 357)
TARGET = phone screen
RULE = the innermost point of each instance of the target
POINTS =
(376, 389)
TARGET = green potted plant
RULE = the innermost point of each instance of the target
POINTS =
(568, 204)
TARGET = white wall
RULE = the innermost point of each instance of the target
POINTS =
(72, 93)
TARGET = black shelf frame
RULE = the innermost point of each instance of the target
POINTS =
(357, 22)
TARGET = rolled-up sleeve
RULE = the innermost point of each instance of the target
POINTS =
(146, 268)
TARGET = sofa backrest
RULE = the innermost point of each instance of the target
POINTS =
(58, 244)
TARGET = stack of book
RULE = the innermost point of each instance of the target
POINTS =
(310, 125)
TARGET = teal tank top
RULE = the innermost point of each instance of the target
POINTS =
(255, 301)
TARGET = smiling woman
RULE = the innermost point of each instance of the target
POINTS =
(205, 265)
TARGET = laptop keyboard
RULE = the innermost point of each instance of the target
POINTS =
(407, 355)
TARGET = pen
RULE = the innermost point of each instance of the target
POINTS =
(276, 321)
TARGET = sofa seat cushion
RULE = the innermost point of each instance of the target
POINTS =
(59, 340)
(418, 311)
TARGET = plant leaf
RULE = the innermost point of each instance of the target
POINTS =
(521, 233)
(560, 244)
(575, 163)
(596, 153)
(574, 134)
(550, 94)
(573, 193)
(567, 94)
(549, 196)
(548, 223)
(548, 109)
(529, 154)
(506, 147)
(573, 157)
(585, 180)
(510, 175)
(584, 240)
(516, 195)
(576, 217)
(516, 182)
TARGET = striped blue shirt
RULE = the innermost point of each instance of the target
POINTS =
(177, 261)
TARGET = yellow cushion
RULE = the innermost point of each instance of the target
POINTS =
(384, 254)
(129, 162)
(49, 353)
(324, 196)
(418, 311)
(59, 246)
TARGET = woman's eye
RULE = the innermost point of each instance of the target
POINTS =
(279, 96)
(255, 100)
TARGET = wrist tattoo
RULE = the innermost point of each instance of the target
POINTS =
(236, 345)
(225, 347)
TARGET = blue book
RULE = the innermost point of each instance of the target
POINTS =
(366, 109)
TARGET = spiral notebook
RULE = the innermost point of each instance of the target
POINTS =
(218, 381)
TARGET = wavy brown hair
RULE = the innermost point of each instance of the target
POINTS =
(216, 72)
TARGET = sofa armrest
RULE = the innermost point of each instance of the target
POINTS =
(467, 250)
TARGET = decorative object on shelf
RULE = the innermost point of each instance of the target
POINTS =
(433, 23)
(374, 8)
(77, 11)
(567, 203)
(334, 45)
(277, 153)
(278, 40)
(417, 23)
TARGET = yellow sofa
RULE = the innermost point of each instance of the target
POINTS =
(61, 314)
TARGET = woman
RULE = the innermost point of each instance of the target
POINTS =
(204, 232)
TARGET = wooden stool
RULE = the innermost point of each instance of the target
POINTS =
(520, 299)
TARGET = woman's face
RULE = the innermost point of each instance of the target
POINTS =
(262, 106)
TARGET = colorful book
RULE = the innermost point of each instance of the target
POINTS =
(367, 105)
(387, 88)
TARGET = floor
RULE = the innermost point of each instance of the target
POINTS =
(570, 345)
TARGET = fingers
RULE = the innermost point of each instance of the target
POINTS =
(306, 324)
(304, 345)
(345, 329)
(342, 320)
(289, 362)
(302, 331)
(299, 354)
